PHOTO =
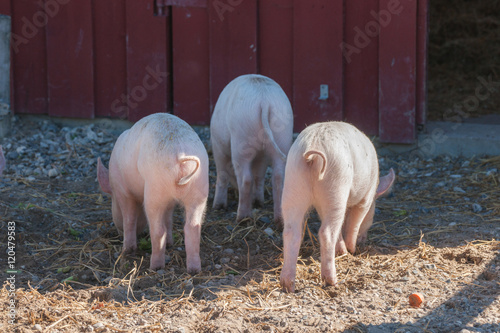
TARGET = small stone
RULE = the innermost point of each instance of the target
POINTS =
(465, 164)
(452, 224)
(455, 176)
(430, 266)
(491, 172)
(53, 173)
(476, 208)
(269, 232)
(458, 189)
(228, 251)
(440, 184)
(265, 219)
(217, 266)
(38, 327)
(160, 272)
(98, 325)
(398, 290)
(225, 260)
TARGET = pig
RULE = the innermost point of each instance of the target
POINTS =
(2, 161)
(251, 128)
(158, 163)
(333, 167)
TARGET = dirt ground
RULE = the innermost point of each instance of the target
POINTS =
(437, 234)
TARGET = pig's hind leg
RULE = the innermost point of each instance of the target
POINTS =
(331, 210)
(242, 167)
(278, 183)
(225, 173)
(159, 209)
(130, 212)
(259, 167)
(296, 202)
(359, 217)
(192, 235)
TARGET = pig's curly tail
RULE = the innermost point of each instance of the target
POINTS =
(309, 155)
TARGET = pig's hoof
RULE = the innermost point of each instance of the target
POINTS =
(287, 285)
(156, 266)
(330, 281)
(278, 222)
(243, 218)
(257, 203)
(129, 251)
(340, 248)
(219, 206)
(193, 270)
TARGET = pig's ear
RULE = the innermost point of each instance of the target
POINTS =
(103, 177)
(385, 184)
(185, 179)
(2, 160)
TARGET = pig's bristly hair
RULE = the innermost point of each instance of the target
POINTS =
(309, 155)
(184, 180)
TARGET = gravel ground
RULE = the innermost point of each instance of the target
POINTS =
(437, 234)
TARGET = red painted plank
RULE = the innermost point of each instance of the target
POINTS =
(422, 42)
(318, 32)
(5, 8)
(148, 76)
(397, 72)
(361, 65)
(186, 3)
(233, 42)
(191, 87)
(276, 43)
(29, 58)
(110, 58)
(70, 61)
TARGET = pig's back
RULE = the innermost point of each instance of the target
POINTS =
(240, 103)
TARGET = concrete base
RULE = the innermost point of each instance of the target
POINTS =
(472, 138)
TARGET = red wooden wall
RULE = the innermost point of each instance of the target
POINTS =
(131, 58)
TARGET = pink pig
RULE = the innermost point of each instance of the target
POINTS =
(2, 161)
(333, 167)
(158, 163)
(251, 128)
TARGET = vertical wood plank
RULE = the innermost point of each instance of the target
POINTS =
(422, 42)
(110, 57)
(148, 71)
(29, 67)
(233, 42)
(276, 43)
(318, 32)
(70, 61)
(397, 72)
(5, 8)
(361, 65)
(191, 89)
